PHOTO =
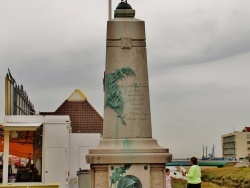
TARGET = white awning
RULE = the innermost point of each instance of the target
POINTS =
(20, 126)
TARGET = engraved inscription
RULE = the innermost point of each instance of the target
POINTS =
(136, 100)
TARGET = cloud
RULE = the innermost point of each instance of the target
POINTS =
(201, 35)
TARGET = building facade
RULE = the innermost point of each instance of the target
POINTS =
(236, 144)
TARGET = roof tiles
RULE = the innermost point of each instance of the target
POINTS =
(84, 118)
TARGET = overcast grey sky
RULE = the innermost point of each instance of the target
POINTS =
(198, 60)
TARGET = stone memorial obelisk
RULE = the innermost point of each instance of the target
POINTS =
(127, 155)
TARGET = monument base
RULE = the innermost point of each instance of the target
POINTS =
(120, 162)
(136, 175)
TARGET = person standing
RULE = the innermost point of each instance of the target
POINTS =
(194, 174)
(168, 179)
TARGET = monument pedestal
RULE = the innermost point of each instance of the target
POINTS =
(137, 176)
(127, 155)
(145, 160)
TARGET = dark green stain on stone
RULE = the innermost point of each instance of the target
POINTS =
(127, 144)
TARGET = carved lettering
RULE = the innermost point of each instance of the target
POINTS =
(135, 93)
(133, 85)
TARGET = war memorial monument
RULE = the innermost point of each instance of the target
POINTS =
(127, 155)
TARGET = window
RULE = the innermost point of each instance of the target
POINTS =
(248, 142)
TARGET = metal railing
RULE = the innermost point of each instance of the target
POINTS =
(16, 99)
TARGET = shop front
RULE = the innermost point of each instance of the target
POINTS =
(25, 142)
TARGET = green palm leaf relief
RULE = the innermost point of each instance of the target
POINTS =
(118, 174)
(114, 98)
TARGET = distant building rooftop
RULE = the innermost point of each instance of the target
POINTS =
(246, 129)
(84, 118)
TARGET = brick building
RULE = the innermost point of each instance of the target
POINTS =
(84, 118)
